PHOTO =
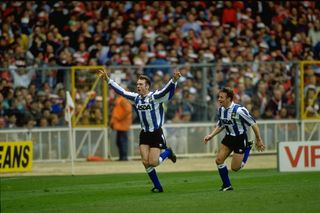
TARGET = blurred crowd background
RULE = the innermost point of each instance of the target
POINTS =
(251, 46)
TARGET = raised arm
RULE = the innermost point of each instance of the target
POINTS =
(103, 74)
(176, 76)
(167, 91)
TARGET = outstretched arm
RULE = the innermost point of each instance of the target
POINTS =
(216, 131)
(103, 74)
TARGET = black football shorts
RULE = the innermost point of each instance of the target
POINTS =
(154, 139)
(236, 143)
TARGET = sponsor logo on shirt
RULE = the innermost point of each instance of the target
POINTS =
(233, 115)
(225, 121)
(143, 107)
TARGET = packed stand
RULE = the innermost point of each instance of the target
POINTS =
(38, 38)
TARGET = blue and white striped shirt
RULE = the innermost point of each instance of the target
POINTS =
(149, 108)
(236, 119)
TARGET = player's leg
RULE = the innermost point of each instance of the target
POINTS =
(236, 161)
(161, 143)
(222, 155)
(149, 165)
(167, 153)
(154, 154)
(246, 152)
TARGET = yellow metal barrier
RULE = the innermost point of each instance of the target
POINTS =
(86, 87)
(310, 90)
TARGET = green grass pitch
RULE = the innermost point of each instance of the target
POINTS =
(255, 191)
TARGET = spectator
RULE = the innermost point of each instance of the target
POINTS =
(13, 109)
(22, 75)
(2, 111)
(160, 61)
(12, 121)
(121, 120)
(136, 31)
(2, 122)
(229, 14)
(276, 103)
(34, 111)
(43, 123)
(314, 34)
(54, 120)
(30, 123)
(311, 102)
(268, 113)
(96, 117)
(190, 24)
(259, 98)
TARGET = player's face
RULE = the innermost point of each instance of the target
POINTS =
(224, 100)
(142, 87)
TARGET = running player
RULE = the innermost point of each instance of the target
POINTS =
(236, 120)
(149, 107)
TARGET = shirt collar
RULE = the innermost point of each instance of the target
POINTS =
(231, 105)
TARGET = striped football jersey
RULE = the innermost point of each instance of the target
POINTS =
(236, 119)
(150, 108)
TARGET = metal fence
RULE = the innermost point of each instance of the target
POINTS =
(197, 90)
(53, 144)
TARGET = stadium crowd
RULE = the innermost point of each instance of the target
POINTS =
(37, 36)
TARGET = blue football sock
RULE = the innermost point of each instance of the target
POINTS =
(164, 155)
(246, 154)
(153, 176)
(223, 171)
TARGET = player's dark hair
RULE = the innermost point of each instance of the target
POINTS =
(146, 78)
(228, 91)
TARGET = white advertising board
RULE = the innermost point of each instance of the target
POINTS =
(299, 156)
